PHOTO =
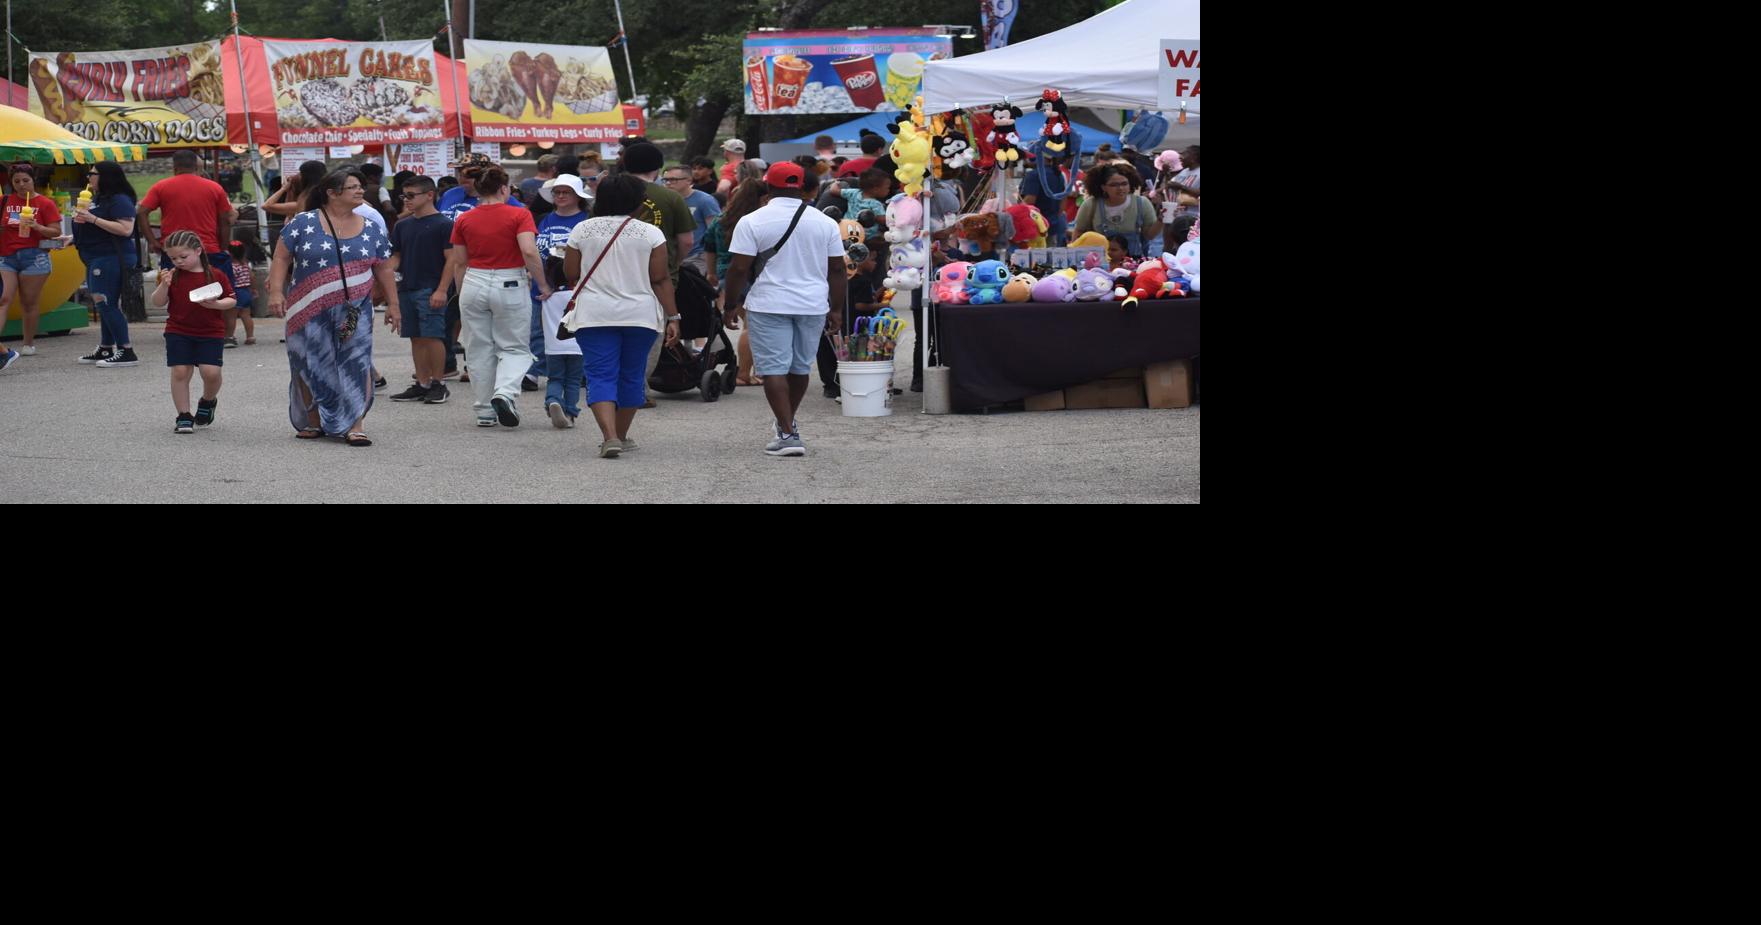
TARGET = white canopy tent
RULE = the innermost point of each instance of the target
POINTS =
(1106, 61)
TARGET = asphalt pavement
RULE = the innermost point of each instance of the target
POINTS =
(72, 433)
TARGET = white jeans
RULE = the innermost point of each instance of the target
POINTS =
(497, 322)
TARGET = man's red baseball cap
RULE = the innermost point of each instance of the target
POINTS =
(785, 176)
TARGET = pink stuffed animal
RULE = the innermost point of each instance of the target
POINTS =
(951, 283)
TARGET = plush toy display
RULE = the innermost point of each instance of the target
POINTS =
(905, 267)
(1057, 130)
(1019, 289)
(852, 232)
(1003, 136)
(952, 147)
(904, 217)
(981, 230)
(1186, 260)
(951, 282)
(1155, 279)
(911, 152)
(1144, 132)
(1030, 226)
(1094, 286)
(986, 282)
(1055, 288)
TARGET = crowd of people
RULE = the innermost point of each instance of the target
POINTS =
(566, 282)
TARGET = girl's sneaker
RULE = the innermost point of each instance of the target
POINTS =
(205, 411)
(27, 351)
(8, 358)
(102, 353)
(186, 424)
(124, 356)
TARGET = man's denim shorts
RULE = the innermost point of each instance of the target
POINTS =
(784, 344)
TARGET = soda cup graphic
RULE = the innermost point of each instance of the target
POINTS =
(904, 76)
(758, 83)
(787, 81)
(861, 80)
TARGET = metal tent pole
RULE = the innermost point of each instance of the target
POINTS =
(238, 50)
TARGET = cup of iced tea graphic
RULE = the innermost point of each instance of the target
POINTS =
(758, 83)
(861, 80)
(788, 79)
(904, 76)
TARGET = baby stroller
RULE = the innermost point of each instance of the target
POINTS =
(680, 368)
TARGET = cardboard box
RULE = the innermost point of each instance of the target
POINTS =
(1136, 372)
(1050, 401)
(1169, 385)
(1107, 393)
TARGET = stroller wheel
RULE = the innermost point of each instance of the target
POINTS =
(728, 382)
(712, 386)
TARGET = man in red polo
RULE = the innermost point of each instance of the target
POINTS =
(189, 202)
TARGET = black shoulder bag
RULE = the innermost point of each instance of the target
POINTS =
(352, 318)
(764, 256)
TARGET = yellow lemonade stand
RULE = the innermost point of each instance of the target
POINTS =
(25, 137)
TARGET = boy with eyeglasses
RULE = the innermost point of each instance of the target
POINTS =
(418, 255)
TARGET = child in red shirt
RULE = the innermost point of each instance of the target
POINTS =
(196, 331)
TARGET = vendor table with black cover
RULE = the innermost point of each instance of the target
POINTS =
(1002, 353)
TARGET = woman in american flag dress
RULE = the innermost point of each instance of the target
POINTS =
(334, 256)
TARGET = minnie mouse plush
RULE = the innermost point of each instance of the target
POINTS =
(1057, 129)
(1003, 137)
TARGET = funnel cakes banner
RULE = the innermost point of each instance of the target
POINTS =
(522, 92)
(355, 93)
(839, 70)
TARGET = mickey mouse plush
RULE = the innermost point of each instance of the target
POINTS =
(1003, 136)
(1057, 129)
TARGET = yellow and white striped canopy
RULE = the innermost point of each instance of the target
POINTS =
(27, 137)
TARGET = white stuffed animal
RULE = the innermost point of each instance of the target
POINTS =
(904, 217)
(1186, 261)
(905, 266)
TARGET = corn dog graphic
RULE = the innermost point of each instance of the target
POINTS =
(48, 91)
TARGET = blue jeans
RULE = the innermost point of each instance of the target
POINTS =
(616, 361)
(564, 387)
(537, 342)
(104, 279)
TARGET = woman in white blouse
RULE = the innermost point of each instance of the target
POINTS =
(623, 301)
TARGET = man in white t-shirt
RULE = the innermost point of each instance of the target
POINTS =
(797, 294)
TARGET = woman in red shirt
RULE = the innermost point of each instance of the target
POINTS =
(495, 251)
(24, 264)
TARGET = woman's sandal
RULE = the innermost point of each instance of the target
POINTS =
(357, 439)
(250, 342)
(309, 433)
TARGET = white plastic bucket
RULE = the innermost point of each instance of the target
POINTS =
(865, 388)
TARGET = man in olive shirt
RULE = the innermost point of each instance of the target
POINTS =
(665, 210)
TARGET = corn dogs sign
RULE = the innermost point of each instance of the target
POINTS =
(524, 93)
(159, 97)
(353, 93)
